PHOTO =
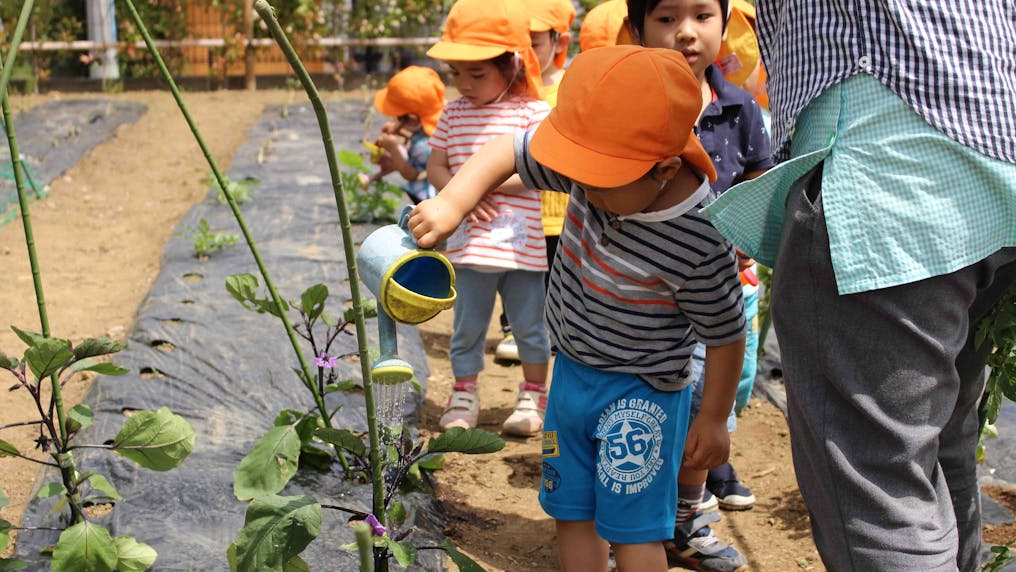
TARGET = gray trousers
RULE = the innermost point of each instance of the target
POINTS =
(882, 394)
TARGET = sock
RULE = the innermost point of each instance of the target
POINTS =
(689, 497)
(469, 386)
(533, 386)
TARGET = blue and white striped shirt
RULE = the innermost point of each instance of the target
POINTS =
(952, 61)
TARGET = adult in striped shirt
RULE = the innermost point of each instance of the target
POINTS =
(640, 277)
(501, 249)
(892, 227)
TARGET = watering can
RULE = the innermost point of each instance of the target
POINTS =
(412, 285)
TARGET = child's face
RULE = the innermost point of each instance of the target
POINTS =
(545, 48)
(693, 27)
(479, 82)
(634, 197)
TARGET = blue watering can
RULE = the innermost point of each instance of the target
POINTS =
(412, 285)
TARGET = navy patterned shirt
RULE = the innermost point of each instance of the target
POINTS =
(952, 61)
(732, 132)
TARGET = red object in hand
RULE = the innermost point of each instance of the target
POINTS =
(749, 277)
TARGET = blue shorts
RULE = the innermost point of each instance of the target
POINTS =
(612, 447)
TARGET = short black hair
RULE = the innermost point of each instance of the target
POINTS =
(637, 10)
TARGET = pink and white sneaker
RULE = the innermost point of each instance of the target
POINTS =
(527, 418)
(463, 410)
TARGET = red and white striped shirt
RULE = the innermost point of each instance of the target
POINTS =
(514, 240)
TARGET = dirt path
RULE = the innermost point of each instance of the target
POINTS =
(100, 236)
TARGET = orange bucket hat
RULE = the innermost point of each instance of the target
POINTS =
(586, 139)
(739, 52)
(417, 90)
(478, 30)
(603, 25)
(546, 15)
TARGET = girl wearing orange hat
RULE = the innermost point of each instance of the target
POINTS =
(414, 97)
(500, 249)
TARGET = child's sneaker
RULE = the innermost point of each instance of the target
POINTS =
(527, 419)
(709, 502)
(463, 410)
(507, 349)
(731, 494)
(695, 546)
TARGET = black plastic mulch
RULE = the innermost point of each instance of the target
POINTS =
(53, 137)
(229, 371)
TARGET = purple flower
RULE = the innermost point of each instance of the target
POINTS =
(375, 526)
(322, 360)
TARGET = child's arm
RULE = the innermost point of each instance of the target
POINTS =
(438, 171)
(398, 155)
(436, 219)
(708, 443)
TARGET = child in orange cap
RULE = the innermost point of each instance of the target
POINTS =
(641, 276)
(550, 31)
(731, 129)
(499, 250)
(604, 26)
(414, 97)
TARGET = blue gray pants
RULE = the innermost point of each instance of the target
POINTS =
(882, 394)
(523, 294)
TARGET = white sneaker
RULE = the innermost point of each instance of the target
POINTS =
(507, 349)
(527, 418)
(463, 410)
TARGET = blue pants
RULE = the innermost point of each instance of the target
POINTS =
(523, 294)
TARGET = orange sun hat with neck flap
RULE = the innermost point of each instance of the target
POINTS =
(416, 90)
(556, 15)
(604, 26)
(587, 139)
(478, 30)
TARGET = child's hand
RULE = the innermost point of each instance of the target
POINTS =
(485, 211)
(708, 443)
(394, 144)
(434, 220)
(743, 260)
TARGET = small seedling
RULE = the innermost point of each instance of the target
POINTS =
(376, 204)
(240, 190)
(206, 241)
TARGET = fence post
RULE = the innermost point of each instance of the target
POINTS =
(250, 79)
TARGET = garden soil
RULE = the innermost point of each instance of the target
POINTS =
(101, 233)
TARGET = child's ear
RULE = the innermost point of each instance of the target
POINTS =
(668, 168)
(563, 40)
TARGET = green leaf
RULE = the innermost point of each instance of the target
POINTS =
(344, 439)
(93, 347)
(469, 441)
(403, 552)
(133, 556)
(4, 501)
(397, 514)
(8, 362)
(101, 484)
(158, 440)
(270, 464)
(8, 450)
(47, 356)
(5, 535)
(275, 530)
(85, 547)
(30, 338)
(329, 319)
(231, 557)
(296, 564)
(51, 490)
(313, 300)
(243, 287)
(344, 385)
(79, 417)
(465, 563)
(105, 368)
(431, 462)
(12, 564)
(351, 159)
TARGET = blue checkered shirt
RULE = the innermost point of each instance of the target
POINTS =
(912, 109)
(952, 61)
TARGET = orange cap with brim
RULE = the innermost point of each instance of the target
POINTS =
(603, 24)
(478, 30)
(546, 15)
(586, 139)
(739, 52)
(416, 90)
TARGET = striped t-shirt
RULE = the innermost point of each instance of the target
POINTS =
(514, 240)
(633, 294)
